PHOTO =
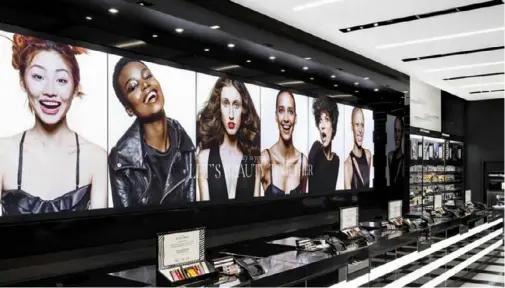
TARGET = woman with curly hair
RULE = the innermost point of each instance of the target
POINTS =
(229, 141)
(323, 162)
(50, 168)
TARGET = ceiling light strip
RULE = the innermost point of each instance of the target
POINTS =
(409, 278)
(487, 91)
(290, 83)
(453, 54)
(453, 271)
(460, 67)
(474, 76)
(227, 67)
(130, 44)
(440, 38)
(421, 16)
(414, 256)
(313, 4)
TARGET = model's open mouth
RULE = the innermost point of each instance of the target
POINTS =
(151, 97)
(286, 127)
(50, 107)
(231, 125)
(323, 136)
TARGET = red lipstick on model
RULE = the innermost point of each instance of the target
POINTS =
(231, 125)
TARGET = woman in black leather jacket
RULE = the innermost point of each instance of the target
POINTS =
(154, 161)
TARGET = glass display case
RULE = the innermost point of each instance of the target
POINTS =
(436, 167)
(495, 189)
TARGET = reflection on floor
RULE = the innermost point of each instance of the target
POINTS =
(488, 271)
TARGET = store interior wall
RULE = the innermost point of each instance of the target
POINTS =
(484, 126)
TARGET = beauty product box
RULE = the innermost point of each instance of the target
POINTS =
(181, 260)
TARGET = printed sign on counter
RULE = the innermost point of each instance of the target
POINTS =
(395, 209)
(180, 247)
(437, 202)
(468, 196)
(348, 217)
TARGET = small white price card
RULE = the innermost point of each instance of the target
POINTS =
(395, 209)
(437, 202)
(348, 217)
(468, 196)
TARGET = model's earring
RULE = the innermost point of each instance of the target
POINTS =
(129, 112)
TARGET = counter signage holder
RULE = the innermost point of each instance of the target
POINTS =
(349, 220)
(181, 259)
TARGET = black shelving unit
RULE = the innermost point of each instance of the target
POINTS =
(436, 167)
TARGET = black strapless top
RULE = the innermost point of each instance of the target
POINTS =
(19, 202)
(364, 171)
(273, 190)
(218, 190)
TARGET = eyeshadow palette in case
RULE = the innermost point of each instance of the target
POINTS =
(181, 260)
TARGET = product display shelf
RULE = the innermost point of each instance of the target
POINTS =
(436, 167)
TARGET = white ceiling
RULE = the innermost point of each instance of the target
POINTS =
(326, 20)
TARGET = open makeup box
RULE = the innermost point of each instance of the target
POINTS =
(181, 260)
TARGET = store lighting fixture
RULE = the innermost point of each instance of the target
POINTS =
(405, 92)
(356, 83)
(290, 83)
(215, 27)
(305, 68)
(376, 24)
(227, 67)
(248, 61)
(113, 10)
(206, 49)
(311, 78)
(271, 57)
(335, 85)
(308, 58)
(130, 44)
(376, 89)
(460, 67)
(282, 70)
(367, 78)
(231, 45)
(333, 76)
(348, 29)
(356, 91)
(179, 30)
(439, 38)
(482, 84)
(89, 18)
(155, 35)
(313, 4)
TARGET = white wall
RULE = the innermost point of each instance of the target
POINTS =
(425, 106)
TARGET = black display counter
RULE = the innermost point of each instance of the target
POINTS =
(283, 264)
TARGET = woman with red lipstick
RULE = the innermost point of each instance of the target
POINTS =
(284, 168)
(57, 170)
(229, 139)
(154, 161)
(358, 164)
(323, 162)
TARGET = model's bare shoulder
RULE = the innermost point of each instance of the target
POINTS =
(91, 151)
(368, 154)
(265, 159)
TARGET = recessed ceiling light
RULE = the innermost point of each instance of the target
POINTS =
(231, 45)
(179, 30)
(333, 76)
(155, 35)
(311, 78)
(465, 66)
(305, 68)
(130, 44)
(445, 37)
(376, 24)
(215, 27)
(271, 57)
(308, 58)
(366, 78)
(376, 89)
(361, 27)
(481, 84)
(356, 83)
(141, 3)
(282, 70)
(356, 91)
(89, 18)
(206, 49)
(248, 61)
(313, 4)
(406, 91)
(335, 85)
(113, 11)
(348, 29)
